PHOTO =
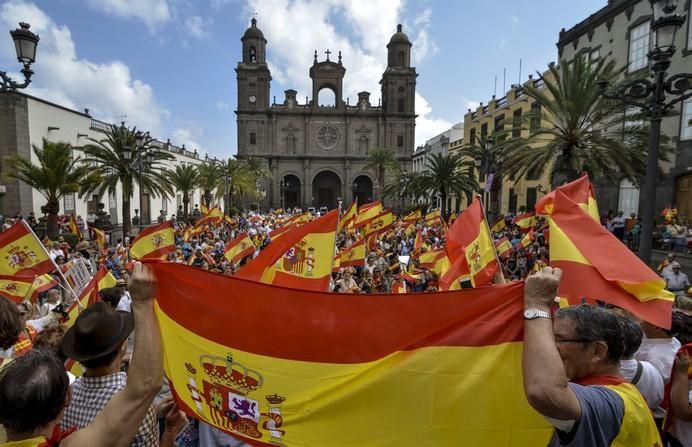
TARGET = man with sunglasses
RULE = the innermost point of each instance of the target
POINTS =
(572, 375)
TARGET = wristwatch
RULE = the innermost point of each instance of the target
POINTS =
(532, 313)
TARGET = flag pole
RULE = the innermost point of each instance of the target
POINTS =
(334, 251)
(501, 275)
(28, 227)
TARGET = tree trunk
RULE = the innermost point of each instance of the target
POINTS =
(207, 198)
(443, 204)
(127, 222)
(186, 205)
(52, 210)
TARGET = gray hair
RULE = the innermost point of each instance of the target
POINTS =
(594, 323)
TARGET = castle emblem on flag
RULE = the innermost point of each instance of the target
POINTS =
(227, 393)
(298, 260)
(21, 257)
(475, 257)
(11, 288)
(157, 240)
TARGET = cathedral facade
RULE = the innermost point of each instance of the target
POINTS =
(316, 154)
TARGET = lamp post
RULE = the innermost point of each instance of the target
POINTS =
(144, 158)
(651, 97)
(25, 43)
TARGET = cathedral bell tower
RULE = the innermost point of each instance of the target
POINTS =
(252, 72)
(399, 79)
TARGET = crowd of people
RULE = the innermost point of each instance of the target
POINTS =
(120, 401)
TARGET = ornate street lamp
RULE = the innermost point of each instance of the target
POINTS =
(655, 98)
(25, 43)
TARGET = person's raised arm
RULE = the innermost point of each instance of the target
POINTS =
(545, 380)
(121, 418)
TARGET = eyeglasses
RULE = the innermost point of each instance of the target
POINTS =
(559, 339)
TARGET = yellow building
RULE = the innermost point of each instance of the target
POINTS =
(506, 114)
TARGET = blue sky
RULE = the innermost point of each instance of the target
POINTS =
(168, 65)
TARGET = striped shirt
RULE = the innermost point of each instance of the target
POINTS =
(91, 394)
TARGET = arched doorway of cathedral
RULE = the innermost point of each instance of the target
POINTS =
(290, 191)
(326, 190)
(362, 189)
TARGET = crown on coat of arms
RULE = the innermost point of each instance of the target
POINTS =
(275, 399)
(230, 374)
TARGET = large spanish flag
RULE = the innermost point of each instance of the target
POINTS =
(16, 287)
(21, 253)
(74, 228)
(414, 216)
(597, 266)
(301, 258)
(367, 212)
(349, 216)
(354, 255)
(100, 239)
(19, 288)
(433, 217)
(154, 242)
(503, 247)
(239, 248)
(435, 260)
(499, 225)
(381, 222)
(470, 238)
(213, 217)
(579, 191)
(525, 221)
(301, 368)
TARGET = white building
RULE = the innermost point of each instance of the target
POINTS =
(26, 120)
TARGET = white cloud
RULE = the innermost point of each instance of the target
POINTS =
(427, 126)
(195, 27)
(151, 12)
(107, 89)
(189, 137)
(423, 45)
(471, 104)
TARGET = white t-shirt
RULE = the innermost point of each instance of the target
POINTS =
(650, 382)
(125, 302)
(660, 352)
(46, 308)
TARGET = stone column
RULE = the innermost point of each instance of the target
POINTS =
(307, 190)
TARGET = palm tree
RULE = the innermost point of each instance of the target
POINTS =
(184, 178)
(210, 176)
(405, 186)
(240, 180)
(108, 154)
(381, 160)
(487, 154)
(580, 130)
(447, 174)
(56, 175)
